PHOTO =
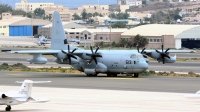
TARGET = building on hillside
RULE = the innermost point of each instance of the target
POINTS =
(115, 8)
(172, 36)
(129, 2)
(47, 29)
(65, 13)
(101, 9)
(30, 7)
(6, 15)
(89, 37)
(21, 26)
(100, 20)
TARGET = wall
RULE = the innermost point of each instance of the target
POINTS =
(4, 30)
(20, 31)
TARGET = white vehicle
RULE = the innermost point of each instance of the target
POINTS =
(23, 95)
(196, 95)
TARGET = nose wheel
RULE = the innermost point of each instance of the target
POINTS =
(135, 75)
(8, 108)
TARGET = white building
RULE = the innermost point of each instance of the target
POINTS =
(29, 7)
(130, 2)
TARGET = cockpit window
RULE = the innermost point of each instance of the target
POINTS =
(134, 56)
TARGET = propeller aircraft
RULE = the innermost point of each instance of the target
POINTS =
(92, 62)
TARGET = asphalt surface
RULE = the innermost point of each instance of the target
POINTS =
(80, 81)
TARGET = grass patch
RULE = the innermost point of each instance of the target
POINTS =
(21, 67)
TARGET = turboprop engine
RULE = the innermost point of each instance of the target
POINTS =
(37, 59)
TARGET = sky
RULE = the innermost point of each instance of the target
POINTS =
(66, 3)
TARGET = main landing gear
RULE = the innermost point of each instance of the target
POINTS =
(91, 75)
(8, 108)
(111, 75)
(135, 75)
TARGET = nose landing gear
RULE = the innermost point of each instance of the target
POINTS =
(135, 75)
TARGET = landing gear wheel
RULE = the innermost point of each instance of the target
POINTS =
(94, 75)
(108, 75)
(114, 75)
(91, 75)
(136, 75)
(88, 75)
(8, 108)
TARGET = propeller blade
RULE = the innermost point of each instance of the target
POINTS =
(73, 56)
(74, 50)
(165, 55)
(97, 49)
(98, 55)
(163, 60)
(95, 60)
(88, 54)
(138, 49)
(162, 47)
(63, 52)
(143, 50)
(91, 49)
(144, 56)
(167, 50)
(70, 61)
(90, 61)
(68, 48)
(158, 51)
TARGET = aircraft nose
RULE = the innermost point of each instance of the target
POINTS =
(144, 65)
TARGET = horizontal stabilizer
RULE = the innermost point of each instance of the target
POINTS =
(192, 96)
(38, 100)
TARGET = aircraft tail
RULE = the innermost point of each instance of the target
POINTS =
(58, 39)
(26, 87)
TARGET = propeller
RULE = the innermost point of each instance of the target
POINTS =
(142, 52)
(163, 54)
(94, 55)
(69, 54)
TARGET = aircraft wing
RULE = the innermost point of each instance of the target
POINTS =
(38, 100)
(32, 51)
(173, 51)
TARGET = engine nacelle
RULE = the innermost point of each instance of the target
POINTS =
(85, 57)
(3, 96)
(167, 60)
(61, 55)
(90, 71)
(38, 60)
(155, 55)
(101, 68)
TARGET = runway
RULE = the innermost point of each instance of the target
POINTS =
(125, 83)
(78, 93)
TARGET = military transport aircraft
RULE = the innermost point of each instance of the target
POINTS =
(21, 96)
(110, 62)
